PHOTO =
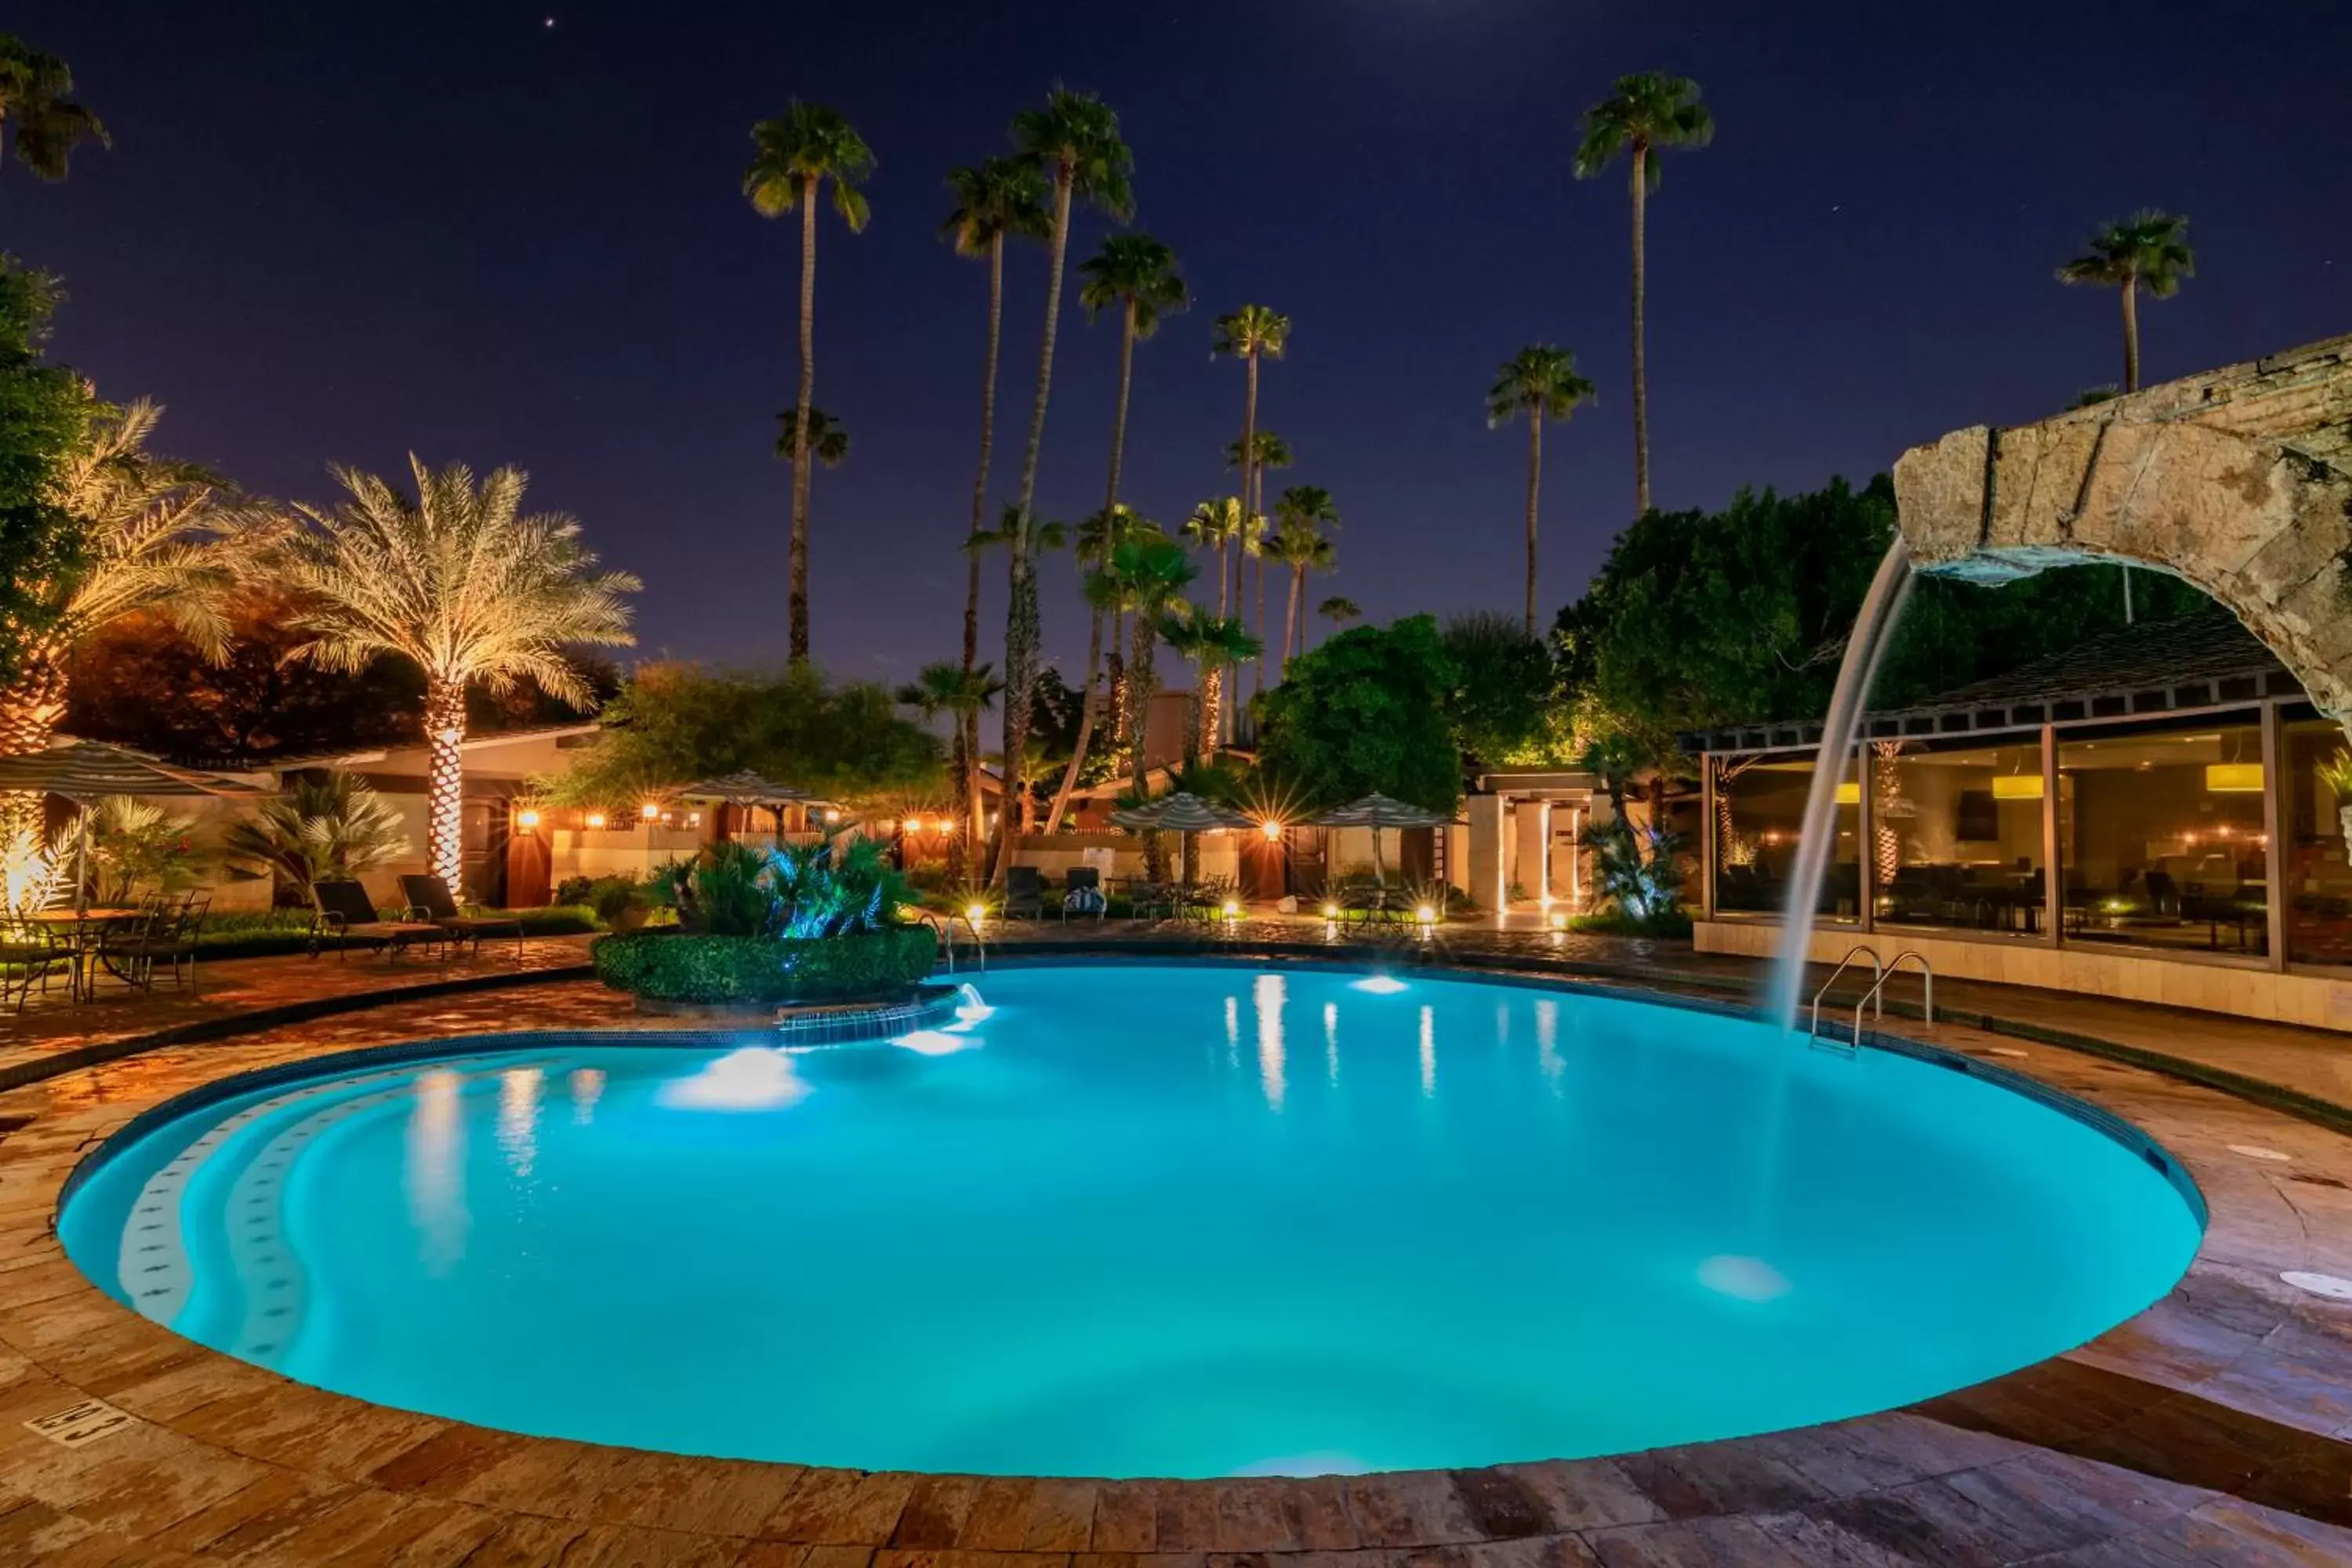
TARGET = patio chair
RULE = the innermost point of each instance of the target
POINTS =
(344, 915)
(1024, 893)
(167, 936)
(430, 901)
(29, 952)
(1081, 893)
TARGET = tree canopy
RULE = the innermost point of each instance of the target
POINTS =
(1365, 710)
(43, 411)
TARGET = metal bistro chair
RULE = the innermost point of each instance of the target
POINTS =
(172, 926)
(29, 952)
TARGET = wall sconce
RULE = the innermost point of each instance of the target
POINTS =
(595, 819)
(1272, 829)
(831, 815)
(527, 819)
(648, 811)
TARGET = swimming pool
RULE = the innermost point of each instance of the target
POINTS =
(1144, 1219)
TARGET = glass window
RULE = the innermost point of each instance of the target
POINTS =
(1760, 813)
(1957, 835)
(2311, 819)
(2160, 834)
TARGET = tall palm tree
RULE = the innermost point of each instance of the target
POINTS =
(1641, 116)
(1075, 139)
(1135, 275)
(829, 438)
(1212, 645)
(2147, 250)
(157, 536)
(945, 686)
(1151, 571)
(1303, 517)
(1213, 526)
(996, 199)
(1540, 381)
(791, 156)
(1338, 609)
(1252, 334)
(1092, 543)
(461, 584)
(36, 103)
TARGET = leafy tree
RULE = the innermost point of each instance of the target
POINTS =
(1642, 115)
(672, 723)
(792, 155)
(42, 412)
(460, 583)
(1075, 139)
(1252, 334)
(36, 103)
(1503, 687)
(1366, 712)
(2147, 250)
(1539, 382)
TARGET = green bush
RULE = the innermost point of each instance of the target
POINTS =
(259, 933)
(689, 966)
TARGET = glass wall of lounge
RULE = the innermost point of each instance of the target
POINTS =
(2211, 835)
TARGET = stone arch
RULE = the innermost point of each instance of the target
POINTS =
(2238, 481)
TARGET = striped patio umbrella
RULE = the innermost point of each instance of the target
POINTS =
(1181, 812)
(88, 770)
(745, 791)
(1377, 811)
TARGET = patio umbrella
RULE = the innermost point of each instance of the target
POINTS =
(1182, 813)
(87, 771)
(745, 790)
(1377, 811)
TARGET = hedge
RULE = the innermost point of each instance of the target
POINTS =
(681, 967)
(262, 933)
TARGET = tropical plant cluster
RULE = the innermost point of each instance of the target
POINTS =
(740, 970)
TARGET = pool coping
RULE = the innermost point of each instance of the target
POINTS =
(2072, 1453)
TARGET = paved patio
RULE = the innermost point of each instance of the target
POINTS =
(2216, 1427)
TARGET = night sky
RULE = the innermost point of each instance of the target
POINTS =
(329, 232)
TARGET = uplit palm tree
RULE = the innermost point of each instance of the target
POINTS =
(1339, 610)
(1541, 383)
(36, 104)
(461, 584)
(1213, 526)
(1151, 571)
(946, 686)
(1075, 139)
(1641, 116)
(791, 156)
(1252, 334)
(157, 536)
(996, 199)
(1092, 543)
(2148, 250)
(1303, 517)
(1135, 275)
(1212, 645)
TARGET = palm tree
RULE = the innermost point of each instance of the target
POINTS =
(1151, 571)
(1641, 116)
(2147, 250)
(318, 829)
(1213, 526)
(1540, 381)
(1212, 645)
(1093, 543)
(156, 536)
(1075, 139)
(1251, 334)
(994, 199)
(791, 156)
(1339, 610)
(945, 686)
(1302, 516)
(1135, 275)
(1104, 596)
(464, 586)
(829, 438)
(36, 103)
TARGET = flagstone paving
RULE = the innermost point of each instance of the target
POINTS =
(2214, 1428)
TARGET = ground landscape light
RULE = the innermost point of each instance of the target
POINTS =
(975, 913)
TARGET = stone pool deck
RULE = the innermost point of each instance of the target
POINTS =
(2214, 1428)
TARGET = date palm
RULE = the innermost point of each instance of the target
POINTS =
(2147, 250)
(1253, 334)
(1151, 572)
(157, 536)
(1212, 645)
(1641, 116)
(459, 582)
(996, 199)
(945, 686)
(1539, 382)
(792, 156)
(829, 438)
(36, 104)
(1304, 516)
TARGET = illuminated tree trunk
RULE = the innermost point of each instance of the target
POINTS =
(1139, 682)
(445, 734)
(968, 724)
(32, 706)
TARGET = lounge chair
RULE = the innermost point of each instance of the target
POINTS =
(345, 914)
(1081, 893)
(1024, 893)
(430, 901)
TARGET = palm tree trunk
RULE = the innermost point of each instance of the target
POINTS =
(1086, 726)
(1021, 615)
(1094, 631)
(1535, 486)
(1213, 703)
(2131, 334)
(444, 737)
(1290, 611)
(1249, 509)
(796, 606)
(1641, 360)
(968, 723)
(32, 706)
(1139, 675)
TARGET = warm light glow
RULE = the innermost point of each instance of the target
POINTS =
(1272, 829)
(2233, 778)
(2017, 786)
(1233, 910)
(648, 811)
(831, 814)
(975, 913)
(1330, 911)
(526, 819)
(1425, 914)
(1849, 793)
(1558, 920)
(595, 819)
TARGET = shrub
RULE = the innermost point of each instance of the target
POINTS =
(842, 887)
(262, 933)
(686, 966)
(319, 830)
(136, 844)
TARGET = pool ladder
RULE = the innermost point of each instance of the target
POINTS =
(1876, 997)
(945, 925)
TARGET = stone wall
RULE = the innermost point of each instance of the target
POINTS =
(2239, 481)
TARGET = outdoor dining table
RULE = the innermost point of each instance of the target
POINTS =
(84, 928)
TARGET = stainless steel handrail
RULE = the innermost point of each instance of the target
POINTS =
(1875, 996)
(1878, 978)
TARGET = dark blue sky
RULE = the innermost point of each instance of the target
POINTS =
(335, 233)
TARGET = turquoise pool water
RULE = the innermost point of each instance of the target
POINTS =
(1146, 1220)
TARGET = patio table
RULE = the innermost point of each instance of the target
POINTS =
(83, 929)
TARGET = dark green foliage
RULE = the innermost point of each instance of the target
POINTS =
(1502, 686)
(1367, 711)
(43, 409)
(1634, 869)
(1673, 923)
(684, 967)
(842, 886)
(263, 933)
